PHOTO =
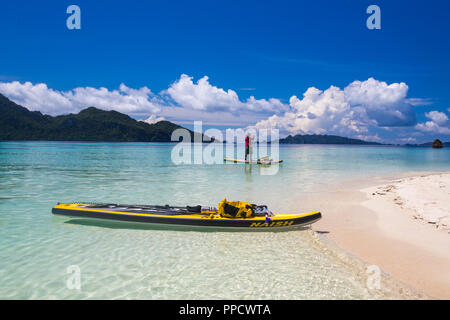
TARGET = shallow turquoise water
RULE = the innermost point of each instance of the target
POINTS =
(36, 248)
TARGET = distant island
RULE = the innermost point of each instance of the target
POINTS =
(19, 124)
(323, 139)
(428, 145)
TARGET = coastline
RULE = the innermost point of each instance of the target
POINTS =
(378, 227)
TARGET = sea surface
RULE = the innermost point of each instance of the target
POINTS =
(41, 254)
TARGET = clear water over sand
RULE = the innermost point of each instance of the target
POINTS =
(126, 262)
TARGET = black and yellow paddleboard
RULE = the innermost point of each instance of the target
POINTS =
(260, 161)
(182, 216)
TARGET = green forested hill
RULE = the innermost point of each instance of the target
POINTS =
(91, 124)
(322, 139)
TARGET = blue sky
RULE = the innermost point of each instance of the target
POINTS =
(265, 49)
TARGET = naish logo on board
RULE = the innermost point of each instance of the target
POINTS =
(271, 224)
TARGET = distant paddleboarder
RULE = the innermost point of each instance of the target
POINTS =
(248, 147)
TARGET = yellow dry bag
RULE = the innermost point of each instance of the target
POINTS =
(235, 209)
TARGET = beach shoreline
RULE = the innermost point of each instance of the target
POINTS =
(381, 222)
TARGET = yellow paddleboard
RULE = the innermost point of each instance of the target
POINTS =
(181, 216)
(261, 161)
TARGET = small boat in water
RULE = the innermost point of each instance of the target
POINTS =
(205, 217)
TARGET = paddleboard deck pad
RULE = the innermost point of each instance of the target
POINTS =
(182, 216)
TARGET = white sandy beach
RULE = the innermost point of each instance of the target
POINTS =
(402, 226)
(426, 198)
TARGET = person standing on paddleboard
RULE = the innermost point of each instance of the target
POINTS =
(248, 147)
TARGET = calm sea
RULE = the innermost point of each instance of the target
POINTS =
(38, 251)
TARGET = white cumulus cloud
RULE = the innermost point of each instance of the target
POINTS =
(439, 123)
(352, 111)
(387, 104)
(37, 97)
(439, 117)
(204, 96)
(49, 101)
(363, 109)
(153, 119)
